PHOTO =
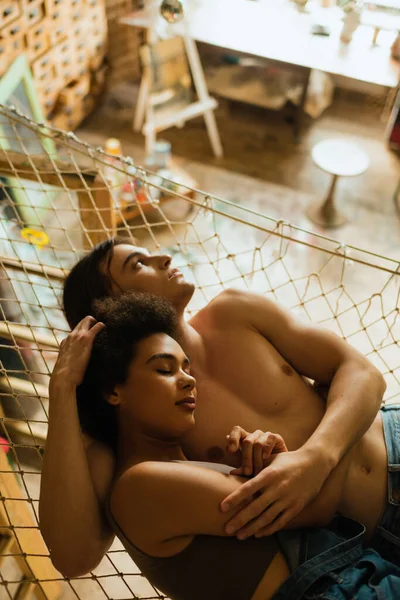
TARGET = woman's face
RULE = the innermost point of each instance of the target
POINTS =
(159, 394)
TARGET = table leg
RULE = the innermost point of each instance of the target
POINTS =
(143, 98)
(299, 118)
(396, 198)
(213, 133)
(327, 214)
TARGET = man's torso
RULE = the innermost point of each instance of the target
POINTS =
(245, 381)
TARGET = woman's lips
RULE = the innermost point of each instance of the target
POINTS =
(187, 403)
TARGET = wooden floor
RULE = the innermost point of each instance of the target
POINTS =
(260, 143)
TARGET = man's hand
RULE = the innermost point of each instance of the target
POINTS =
(283, 489)
(256, 449)
(74, 354)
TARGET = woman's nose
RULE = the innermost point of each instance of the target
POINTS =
(188, 382)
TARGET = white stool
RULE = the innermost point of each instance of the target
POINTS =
(340, 158)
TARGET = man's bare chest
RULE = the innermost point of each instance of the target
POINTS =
(246, 366)
(246, 382)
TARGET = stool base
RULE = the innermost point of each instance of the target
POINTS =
(326, 214)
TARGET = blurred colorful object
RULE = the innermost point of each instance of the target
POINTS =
(393, 128)
(4, 445)
(172, 10)
(35, 237)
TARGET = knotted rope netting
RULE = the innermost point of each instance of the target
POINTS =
(60, 197)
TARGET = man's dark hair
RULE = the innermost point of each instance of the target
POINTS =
(128, 320)
(86, 282)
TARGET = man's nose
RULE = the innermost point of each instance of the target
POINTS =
(164, 261)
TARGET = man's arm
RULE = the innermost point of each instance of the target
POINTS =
(75, 477)
(355, 394)
(356, 387)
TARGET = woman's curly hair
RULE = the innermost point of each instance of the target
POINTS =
(128, 320)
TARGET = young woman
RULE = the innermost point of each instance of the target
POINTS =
(139, 397)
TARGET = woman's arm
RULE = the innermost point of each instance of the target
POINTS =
(190, 494)
(154, 502)
(76, 477)
(75, 481)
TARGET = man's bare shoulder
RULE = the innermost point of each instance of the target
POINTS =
(233, 303)
(240, 308)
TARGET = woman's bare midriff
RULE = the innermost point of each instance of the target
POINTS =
(365, 490)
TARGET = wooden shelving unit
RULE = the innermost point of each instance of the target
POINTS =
(65, 42)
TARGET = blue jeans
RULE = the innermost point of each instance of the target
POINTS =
(331, 564)
(386, 539)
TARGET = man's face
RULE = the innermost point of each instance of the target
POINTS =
(134, 269)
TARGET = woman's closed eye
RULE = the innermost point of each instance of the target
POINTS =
(164, 371)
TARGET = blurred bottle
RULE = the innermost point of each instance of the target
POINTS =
(163, 165)
(351, 20)
(113, 146)
(112, 170)
(162, 154)
(174, 179)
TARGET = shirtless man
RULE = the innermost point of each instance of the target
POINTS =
(249, 358)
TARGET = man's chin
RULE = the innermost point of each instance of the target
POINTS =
(183, 293)
(185, 287)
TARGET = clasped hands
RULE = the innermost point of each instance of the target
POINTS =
(282, 483)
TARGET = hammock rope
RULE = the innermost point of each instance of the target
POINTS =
(51, 182)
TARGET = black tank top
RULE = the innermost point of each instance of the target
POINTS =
(210, 567)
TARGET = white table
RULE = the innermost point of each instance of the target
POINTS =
(275, 30)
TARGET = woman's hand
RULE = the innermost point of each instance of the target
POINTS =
(74, 354)
(256, 449)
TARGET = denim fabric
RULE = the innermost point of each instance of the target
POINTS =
(368, 578)
(332, 565)
(386, 539)
(320, 552)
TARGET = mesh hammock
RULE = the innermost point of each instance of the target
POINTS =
(56, 203)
